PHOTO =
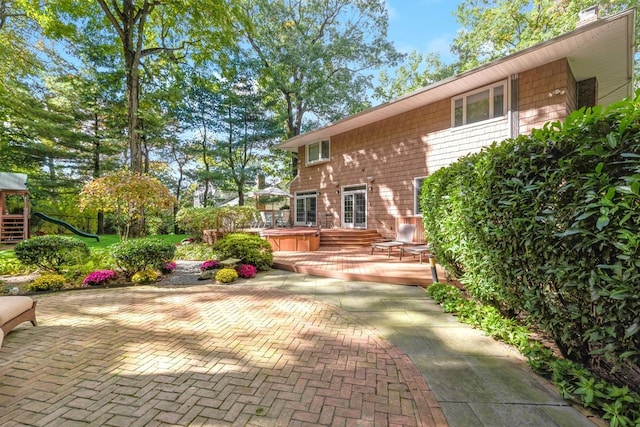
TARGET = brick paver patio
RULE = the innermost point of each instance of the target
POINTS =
(205, 355)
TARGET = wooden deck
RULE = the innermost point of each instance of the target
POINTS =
(357, 263)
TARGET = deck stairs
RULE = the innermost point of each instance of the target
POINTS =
(346, 238)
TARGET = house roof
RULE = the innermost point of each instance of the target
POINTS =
(603, 49)
(13, 181)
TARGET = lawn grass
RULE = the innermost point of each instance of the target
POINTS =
(6, 251)
(107, 240)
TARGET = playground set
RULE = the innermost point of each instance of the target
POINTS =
(15, 212)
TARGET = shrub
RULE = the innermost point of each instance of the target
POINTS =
(226, 275)
(47, 282)
(547, 225)
(246, 271)
(211, 264)
(51, 253)
(145, 276)
(249, 248)
(99, 278)
(136, 255)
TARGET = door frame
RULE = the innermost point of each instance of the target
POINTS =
(350, 190)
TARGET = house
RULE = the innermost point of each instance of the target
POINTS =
(14, 207)
(365, 171)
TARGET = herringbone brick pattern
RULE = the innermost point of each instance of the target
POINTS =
(205, 355)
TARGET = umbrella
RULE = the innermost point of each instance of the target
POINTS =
(272, 191)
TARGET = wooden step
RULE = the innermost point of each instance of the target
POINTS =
(344, 237)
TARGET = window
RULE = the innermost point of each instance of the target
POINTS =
(417, 190)
(318, 152)
(482, 104)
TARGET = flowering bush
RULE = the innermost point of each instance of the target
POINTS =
(211, 264)
(169, 267)
(47, 282)
(99, 277)
(226, 275)
(246, 271)
(145, 276)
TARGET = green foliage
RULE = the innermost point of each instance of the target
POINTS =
(547, 225)
(248, 248)
(226, 275)
(619, 405)
(128, 197)
(51, 253)
(136, 255)
(146, 276)
(194, 252)
(47, 282)
(227, 219)
(9, 264)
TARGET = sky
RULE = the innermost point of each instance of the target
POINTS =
(423, 25)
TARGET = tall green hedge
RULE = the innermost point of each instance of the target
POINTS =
(548, 225)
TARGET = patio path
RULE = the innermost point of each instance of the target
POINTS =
(205, 355)
(284, 349)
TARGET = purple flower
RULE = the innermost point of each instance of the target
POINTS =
(99, 277)
(169, 267)
(211, 264)
(246, 271)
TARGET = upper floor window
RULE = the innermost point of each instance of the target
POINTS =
(317, 152)
(481, 104)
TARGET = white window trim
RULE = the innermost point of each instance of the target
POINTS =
(416, 194)
(464, 96)
(320, 158)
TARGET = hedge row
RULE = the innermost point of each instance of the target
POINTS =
(548, 226)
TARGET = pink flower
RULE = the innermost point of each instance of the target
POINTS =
(99, 277)
(169, 267)
(246, 271)
(211, 264)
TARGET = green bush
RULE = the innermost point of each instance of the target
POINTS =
(134, 255)
(226, 219)
(51, 253)
(250, 249)
(47, 282)
(547, 226)
(146, 276)
(226, 275)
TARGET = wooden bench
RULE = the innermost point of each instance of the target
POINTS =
(15, 310)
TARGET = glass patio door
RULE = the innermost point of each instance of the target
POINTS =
(354, 207)
(306, 208)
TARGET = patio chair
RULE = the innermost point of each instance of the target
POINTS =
(404, 237)
(283, 218)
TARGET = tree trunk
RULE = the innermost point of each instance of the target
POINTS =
(135, 143)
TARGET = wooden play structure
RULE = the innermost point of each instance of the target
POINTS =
(14, 207)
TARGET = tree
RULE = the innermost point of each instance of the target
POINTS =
(495, 28)
(312, 53)
(128, 196)
(416, 72)
(143, 29)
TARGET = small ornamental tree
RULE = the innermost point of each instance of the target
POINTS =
(129, 197)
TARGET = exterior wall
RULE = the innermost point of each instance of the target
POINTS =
(546, 94)
(386, 156)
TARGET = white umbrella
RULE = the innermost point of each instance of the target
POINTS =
(272, 191)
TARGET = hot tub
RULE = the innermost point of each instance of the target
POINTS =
(293, 239)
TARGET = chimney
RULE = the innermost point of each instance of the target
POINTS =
(587, 16)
